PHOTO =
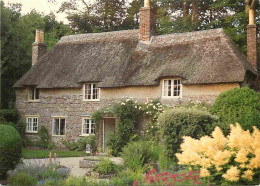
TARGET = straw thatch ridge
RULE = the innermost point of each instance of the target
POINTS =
(116, 59)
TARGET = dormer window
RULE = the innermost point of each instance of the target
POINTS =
(172, 88)
(91, 92)
(33, 94)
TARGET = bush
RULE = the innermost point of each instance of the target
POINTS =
(137, 154)
(126, 177)
(8, 115)
(10, 149)
(105, 167)
(225, 160)
(81, 143)
(22, 179)
(44, 138)
(240, 105)
(179, 122)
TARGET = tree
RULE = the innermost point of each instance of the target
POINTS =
(17, 36)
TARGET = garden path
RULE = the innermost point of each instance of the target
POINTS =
(72, 163)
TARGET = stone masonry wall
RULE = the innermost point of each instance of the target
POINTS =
(70, 104)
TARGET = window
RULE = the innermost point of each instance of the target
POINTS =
(91, 92)
(32, 124)
(33, 93)
(59, 126)
(172, 88)
(88, 126)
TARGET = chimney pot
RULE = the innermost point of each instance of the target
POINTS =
(37, 36)
(251, 16)
(147, 3)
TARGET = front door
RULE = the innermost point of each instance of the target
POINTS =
(109, 129)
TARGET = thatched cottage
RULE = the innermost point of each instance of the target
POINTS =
(82, 73)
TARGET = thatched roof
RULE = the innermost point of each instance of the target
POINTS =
(116, 59)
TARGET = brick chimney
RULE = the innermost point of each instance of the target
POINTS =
(147, 22)
(38, 47)
(252, 39)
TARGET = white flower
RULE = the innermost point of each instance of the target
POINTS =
(152, 127)
(135, 106)
(122, 103)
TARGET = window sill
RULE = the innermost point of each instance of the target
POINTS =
(177, 97)
(84, 135)
(58, 135)
(31, 132)
(91, 100)
(33, 101)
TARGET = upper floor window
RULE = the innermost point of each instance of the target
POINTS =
(33, 93)
(59, 127)
(32, 124)
(88, 126)
(172, 88)
(91, 92)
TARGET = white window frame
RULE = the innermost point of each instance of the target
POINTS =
(34, 93)
(83, 123)
(172, 90)
(31, 130)
(59, 118)
(92, 92)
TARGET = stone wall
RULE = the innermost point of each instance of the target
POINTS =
(69, 104)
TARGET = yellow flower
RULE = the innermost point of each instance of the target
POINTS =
(221, 158)
(241, 156)
(219, 168)
(204, 172)
(248, 175)
(219, 138)
(204, 162)
(232, 174)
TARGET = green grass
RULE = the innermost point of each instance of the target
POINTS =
(31, 153)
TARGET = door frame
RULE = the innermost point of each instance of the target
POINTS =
(104, 130)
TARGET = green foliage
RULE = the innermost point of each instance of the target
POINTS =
(125, 127)
(81, 143)
(10, 149)
(44, 137)
(241, 105)
(22, 179)
(137, 154)
(105, 167)
(179, 122)
(126, 177)
(9, 115)
(17, 36)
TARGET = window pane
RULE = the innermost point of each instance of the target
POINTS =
(56, 127)
(87, 127)
(37, 93)
(62, 126)
(95, 91)
(84, 127)
(92, 126)
(31, 93)
(35, 124)
(169, 87)
(87, 91)
(29, 124)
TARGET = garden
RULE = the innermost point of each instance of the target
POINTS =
(191, 143)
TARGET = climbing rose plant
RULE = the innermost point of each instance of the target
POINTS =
(224, 160)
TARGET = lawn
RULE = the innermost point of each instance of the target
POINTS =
(32, 153)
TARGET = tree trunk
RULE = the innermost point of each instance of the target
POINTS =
(185, 8)
(195, 11)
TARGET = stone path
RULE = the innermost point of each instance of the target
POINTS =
(72, 163)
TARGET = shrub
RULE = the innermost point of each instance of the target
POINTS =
(179, 122)
(44, 138)
(105, 167)
(10, 149)
(126, 177)
(240, 105)
(81, 143)
(225, 160)
(22, 179)
(137, 154)
(9, 115)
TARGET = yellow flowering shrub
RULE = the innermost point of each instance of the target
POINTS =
(235, 158)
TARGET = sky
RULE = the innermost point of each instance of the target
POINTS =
(43, 6)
